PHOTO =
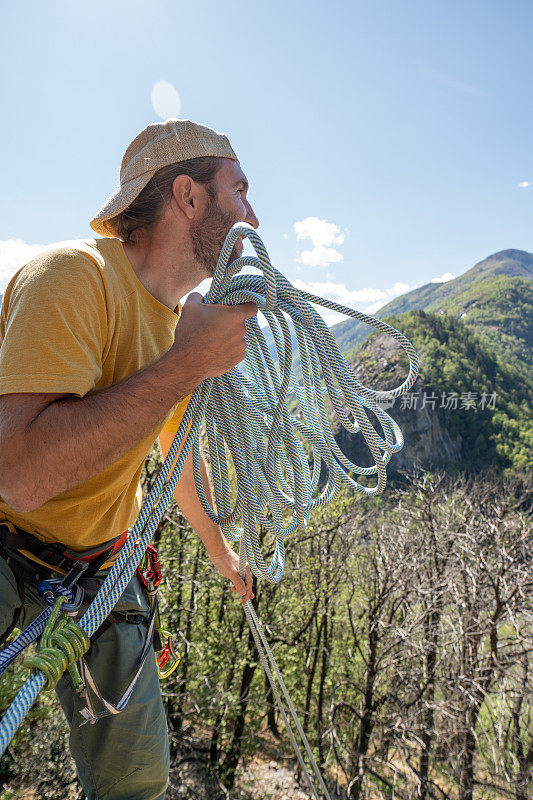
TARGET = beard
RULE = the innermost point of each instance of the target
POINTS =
(208, 235)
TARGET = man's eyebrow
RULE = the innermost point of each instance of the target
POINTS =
(244, 183)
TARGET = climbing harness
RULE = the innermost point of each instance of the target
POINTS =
(67, 587)
(149, 573)
(88, 682)
(82, 571)
(57, 556)
(276, 430)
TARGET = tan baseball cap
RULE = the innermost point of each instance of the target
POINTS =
(158, 145)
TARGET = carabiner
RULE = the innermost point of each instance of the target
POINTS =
(48, 590)
(165, 655)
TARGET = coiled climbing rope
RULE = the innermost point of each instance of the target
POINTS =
(29, 634)
(276, 430)
(62, 644)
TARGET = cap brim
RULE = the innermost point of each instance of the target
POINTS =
(118, 202)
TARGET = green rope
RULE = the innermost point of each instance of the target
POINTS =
(62, 644)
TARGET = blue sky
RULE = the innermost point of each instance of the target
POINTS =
(385, 142)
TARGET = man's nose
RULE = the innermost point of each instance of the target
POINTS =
(251, 219)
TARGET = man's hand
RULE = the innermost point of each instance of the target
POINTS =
(209, 338)
(227, 563)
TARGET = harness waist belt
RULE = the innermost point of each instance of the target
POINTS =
(56, 555)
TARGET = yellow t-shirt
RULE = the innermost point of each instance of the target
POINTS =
(74, 320)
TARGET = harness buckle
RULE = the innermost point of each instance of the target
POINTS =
(74, 574)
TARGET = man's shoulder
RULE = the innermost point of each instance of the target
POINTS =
(58, 257)
(74, 262)
(63, 272)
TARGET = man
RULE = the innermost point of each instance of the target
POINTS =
(97, 360)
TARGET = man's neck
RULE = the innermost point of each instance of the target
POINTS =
(166, 269)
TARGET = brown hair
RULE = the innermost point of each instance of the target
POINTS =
(147, 208)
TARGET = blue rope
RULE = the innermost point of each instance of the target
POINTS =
(27, 637)
(247, 416)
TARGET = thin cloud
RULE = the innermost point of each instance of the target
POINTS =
(323, 235)
(524, 184)
(368, 300)
(452, 83)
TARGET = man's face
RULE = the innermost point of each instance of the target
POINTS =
(229, 206)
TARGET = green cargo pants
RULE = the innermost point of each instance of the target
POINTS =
(124, 756)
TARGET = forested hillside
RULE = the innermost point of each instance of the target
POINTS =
(469, 409)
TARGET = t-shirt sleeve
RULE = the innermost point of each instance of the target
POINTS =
(53, 326)
(173, 423)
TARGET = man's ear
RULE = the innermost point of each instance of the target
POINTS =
(186, 194)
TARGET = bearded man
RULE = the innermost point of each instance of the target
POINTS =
(98, 360)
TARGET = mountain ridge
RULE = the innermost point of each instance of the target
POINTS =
(508, 270)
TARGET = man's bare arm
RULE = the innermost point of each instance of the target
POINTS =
(49, 444)
(223, 557)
